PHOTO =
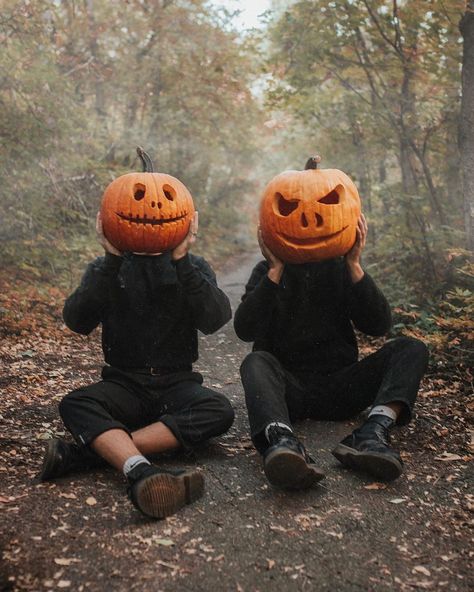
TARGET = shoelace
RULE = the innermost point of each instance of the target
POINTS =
(377, 430)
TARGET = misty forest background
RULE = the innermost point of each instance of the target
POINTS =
(375, 86)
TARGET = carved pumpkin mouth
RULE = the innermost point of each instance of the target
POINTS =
(151, 221)
(310, 241)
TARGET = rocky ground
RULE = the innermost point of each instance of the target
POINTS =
(350, 533)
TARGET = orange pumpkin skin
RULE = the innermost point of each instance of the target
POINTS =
(146, 212)
(310, 215)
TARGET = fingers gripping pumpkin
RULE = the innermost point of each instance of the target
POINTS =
(310, 215)
(146, 212)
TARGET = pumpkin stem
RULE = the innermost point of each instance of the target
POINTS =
(312, 162)
(146, 160)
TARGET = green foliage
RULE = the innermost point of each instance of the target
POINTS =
(374, 86)
(81, 84)
(445, 323)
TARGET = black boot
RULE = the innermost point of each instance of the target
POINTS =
(286, 463)
(62, 458)
(159, 493)
(367, 449)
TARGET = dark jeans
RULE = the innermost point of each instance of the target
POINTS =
(130, 401)
(273, 393)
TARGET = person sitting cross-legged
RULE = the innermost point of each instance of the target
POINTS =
(149, 399)
(305, 364)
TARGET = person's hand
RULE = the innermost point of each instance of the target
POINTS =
(182, 249)
(354, 255)
(108, 247)
(275, 265)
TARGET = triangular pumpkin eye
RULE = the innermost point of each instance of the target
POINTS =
(331, 198)
(285, 207)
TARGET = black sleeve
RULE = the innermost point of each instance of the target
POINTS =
(210, 306)
(84, 308)
(368, 307)
(254, 314)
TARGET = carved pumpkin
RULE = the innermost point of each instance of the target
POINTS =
(146, 212)
(310, 215)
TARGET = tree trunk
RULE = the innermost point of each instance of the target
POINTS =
(407, 118)
(466, 123)
(94, 50)
(363, 170)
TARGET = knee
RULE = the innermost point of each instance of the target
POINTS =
(257, 361)
(416, 348)
(68, 405)
(79, 401)
(219, 418)
(225, 412)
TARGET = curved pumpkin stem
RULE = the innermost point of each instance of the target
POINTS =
(146, 160)
(312, 162)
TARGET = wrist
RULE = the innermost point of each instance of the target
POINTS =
(176, 256)
(180, 259)
(274, 274)
(355, 271)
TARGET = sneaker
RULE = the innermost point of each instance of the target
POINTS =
(367, 449)
(63, 457)
(286, 462)
(159, 493)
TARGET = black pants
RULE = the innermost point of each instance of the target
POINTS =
(273, 393)
(130, 401)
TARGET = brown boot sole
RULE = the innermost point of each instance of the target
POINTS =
(162, 495)
(377, 464)
(286, 469)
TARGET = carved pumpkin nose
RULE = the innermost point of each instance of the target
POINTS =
(318, 220)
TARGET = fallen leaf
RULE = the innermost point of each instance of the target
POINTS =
(164, 564)
(270, 564)
(68, 495)
(398, 500)
(421, 569)
(448, 456)
(376, 486)
(278, 528)
(64, 583)
(91, 501)
(64, 561)
(164, 542)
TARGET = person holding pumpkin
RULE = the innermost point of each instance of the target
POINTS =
(299, 309)
(151, 296)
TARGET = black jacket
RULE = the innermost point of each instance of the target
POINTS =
(150, 308)
(305, 320)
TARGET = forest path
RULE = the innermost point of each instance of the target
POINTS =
(349, 534)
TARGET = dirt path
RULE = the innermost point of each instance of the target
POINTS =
(80, 533)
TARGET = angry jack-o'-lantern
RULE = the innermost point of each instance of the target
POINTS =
(310, 215)
(146, 212)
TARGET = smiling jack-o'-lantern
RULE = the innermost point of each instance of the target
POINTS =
(146, 212)
(310, 215)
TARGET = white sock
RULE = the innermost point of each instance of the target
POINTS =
(383, 410)
(132, 462)
(279, 424)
